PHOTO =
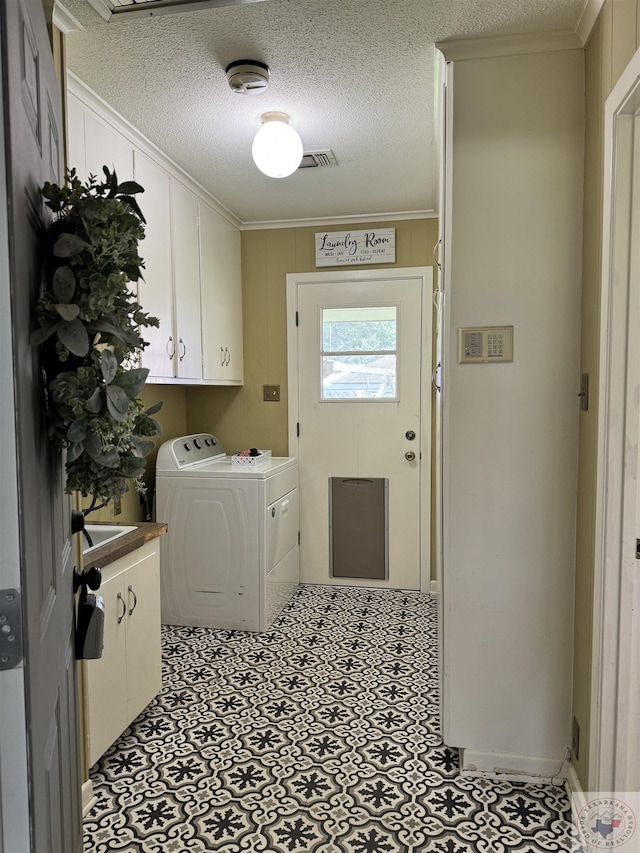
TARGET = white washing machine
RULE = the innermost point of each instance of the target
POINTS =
(230, 558)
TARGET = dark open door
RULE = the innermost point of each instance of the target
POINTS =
(32, 131)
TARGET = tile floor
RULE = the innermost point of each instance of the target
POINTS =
(318, 736)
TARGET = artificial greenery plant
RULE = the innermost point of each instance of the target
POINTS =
(88, 325)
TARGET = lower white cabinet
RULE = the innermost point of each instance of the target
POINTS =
(120, 684)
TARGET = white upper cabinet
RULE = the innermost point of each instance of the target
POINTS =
(221, 299)
(94, 143)
(186, 281)
(75, 133)
(104, 146)
(155, 291)
(191, 250)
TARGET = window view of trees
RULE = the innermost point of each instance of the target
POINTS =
(359, 353)
(367, 336)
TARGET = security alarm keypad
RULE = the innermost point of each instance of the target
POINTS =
(485, 344)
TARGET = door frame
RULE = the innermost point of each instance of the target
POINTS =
(425, 276)
(616, 587)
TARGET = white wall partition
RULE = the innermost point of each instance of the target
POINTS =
(510, 432)
(615, 707)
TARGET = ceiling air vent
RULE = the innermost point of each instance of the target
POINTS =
(311, 159)
(109, 9)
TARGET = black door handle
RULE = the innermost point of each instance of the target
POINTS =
(91, 578)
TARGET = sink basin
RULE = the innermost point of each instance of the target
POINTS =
(101, 534)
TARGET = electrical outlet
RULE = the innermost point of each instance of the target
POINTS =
(271, 393)
(117, 506)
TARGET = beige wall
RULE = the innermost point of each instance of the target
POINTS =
(613, 42)
(173, 420)
(238, 416)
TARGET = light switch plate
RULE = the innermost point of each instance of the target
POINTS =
(271, 393)
(485, 344)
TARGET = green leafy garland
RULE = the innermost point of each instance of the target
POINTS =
(88, 325)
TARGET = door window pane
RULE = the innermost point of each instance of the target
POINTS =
(359, 353)
(359, 329)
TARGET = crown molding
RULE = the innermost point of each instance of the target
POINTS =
(326, 221)
(483, 48)
(588, 18)
(102, 8)
(64, 20)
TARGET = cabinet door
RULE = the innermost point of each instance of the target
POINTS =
(155, 292)
(186, 281)
(105, 679)
(104, 146)
(75, 137)
(221, 298)
(142, 594)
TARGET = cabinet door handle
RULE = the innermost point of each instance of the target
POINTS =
(135, 599)
(436, 254)
(171, 348)
(434, 381)
(184, 349)
(124, 608)
(228, 359)
(222, 357)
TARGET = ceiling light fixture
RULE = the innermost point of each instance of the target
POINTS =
(277, 148)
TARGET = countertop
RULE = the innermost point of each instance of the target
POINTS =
(110, 552)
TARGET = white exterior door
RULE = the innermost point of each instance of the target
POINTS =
(358, 393)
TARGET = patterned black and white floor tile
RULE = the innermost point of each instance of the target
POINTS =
(318, 736)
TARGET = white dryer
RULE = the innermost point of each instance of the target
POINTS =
(230, 558)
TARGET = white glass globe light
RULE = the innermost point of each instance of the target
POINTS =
(277, 148)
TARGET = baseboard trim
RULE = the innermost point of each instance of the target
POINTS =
(88, 797)
(434, 588)
(512, 768)
(574, 790)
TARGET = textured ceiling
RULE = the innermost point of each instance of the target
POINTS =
(355, 76)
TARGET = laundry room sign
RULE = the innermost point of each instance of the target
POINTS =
(339, 248)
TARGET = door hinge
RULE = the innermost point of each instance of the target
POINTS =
(298, 537)
(297, 319)
(10, 629)
(637, 549)
(298, 430)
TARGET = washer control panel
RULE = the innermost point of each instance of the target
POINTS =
(191, 449)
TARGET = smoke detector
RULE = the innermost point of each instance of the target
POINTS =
(247, 76)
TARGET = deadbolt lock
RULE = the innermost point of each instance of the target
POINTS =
(409, 435)
(410, 456)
